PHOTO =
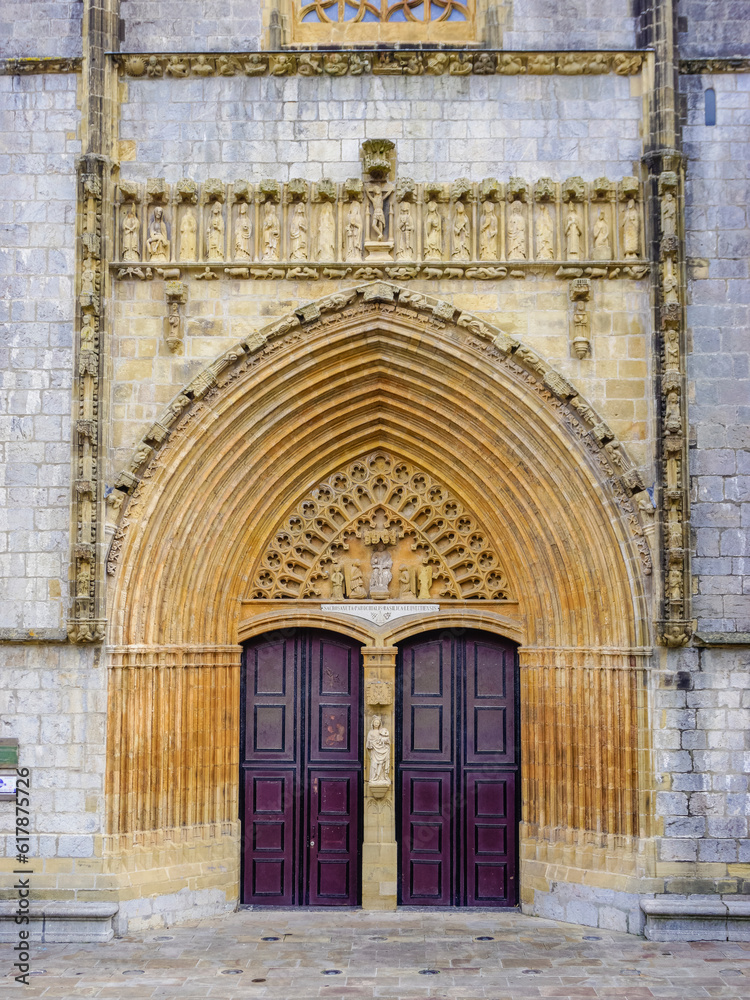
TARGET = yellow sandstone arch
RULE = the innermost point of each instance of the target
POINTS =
(378, 367)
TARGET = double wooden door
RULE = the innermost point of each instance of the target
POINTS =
(457, 772)
(301, 770)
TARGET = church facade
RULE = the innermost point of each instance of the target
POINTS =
(375, 427)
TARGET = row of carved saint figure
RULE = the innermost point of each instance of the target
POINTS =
(300, 232)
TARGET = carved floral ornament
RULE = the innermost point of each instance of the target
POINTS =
(380, 528)
(412, 538)
(390, 63)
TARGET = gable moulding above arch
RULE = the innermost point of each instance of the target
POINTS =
(364, 389)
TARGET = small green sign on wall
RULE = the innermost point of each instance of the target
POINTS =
(8, 753)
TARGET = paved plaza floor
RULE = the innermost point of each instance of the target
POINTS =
(409, 954)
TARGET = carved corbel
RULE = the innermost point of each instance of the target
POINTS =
(176, 295)
(296, 190)
(579, 292)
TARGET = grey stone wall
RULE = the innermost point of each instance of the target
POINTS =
(444, 127)
(718, 244)
(713, 28)
(191, 25)
(576, 24)
(702, 762)
(40, 28)
(53, 700)
(38, 119)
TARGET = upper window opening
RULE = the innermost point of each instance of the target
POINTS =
(710, 106)
(361, 22)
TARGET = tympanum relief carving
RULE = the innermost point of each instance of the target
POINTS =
(380, 529)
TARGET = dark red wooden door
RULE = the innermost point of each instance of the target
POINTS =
(301, 770)
(457, 771)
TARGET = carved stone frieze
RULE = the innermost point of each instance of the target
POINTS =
(399, 63)
(453, 229)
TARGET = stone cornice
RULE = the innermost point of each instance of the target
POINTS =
(391, 62)
(32, 64)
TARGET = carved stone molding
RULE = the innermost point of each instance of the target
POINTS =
(490, 342)
(402, 62)
(86, 623)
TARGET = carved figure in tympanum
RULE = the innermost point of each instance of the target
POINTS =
(433, 240)
(406, 249)
(242, 249)
(271, 232)
(406, 588)
(424, 579)
(602, 246)
(131, 244)
(326, 232)
(298, 233)
(381, 563)
(337, 583)
(461, 233)
(572, 233)
(188, 236)
(545, 249)
(488, 230)
(356, 584)
(158, 239)
(516, 232)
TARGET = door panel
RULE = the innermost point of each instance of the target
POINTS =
(457, 772)
(302, 764)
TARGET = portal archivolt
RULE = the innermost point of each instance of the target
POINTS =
(381, 368)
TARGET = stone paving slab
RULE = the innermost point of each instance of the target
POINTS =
(407, 955)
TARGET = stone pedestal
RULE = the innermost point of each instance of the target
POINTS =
(379, 250)
(379, 848)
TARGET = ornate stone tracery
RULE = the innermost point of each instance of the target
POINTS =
(380, 528)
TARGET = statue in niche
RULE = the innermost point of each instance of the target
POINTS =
(672, 350)
(215, 238)
(406, 584)
(356, 584)
(337, 583)
(379, 745)
(461, 249)
(88, 278)
(188, 236)
(516, 233)
(271, 232)
(544, 235)
(381, 563)
(298, 233)
(424, 579)
(354, 231)
(488, 232)
(675, 582)
(573, 233)
(406, 250)
(631, 231)
(602, 246)
(433, 242)
(672, 416)
(327, 232)
(670, 284)
(131, 249)
(242, 235)
(377, 193)
(88, 334)
(669, 215)
(158, 241)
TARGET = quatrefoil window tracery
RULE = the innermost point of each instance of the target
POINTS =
(380, 11)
